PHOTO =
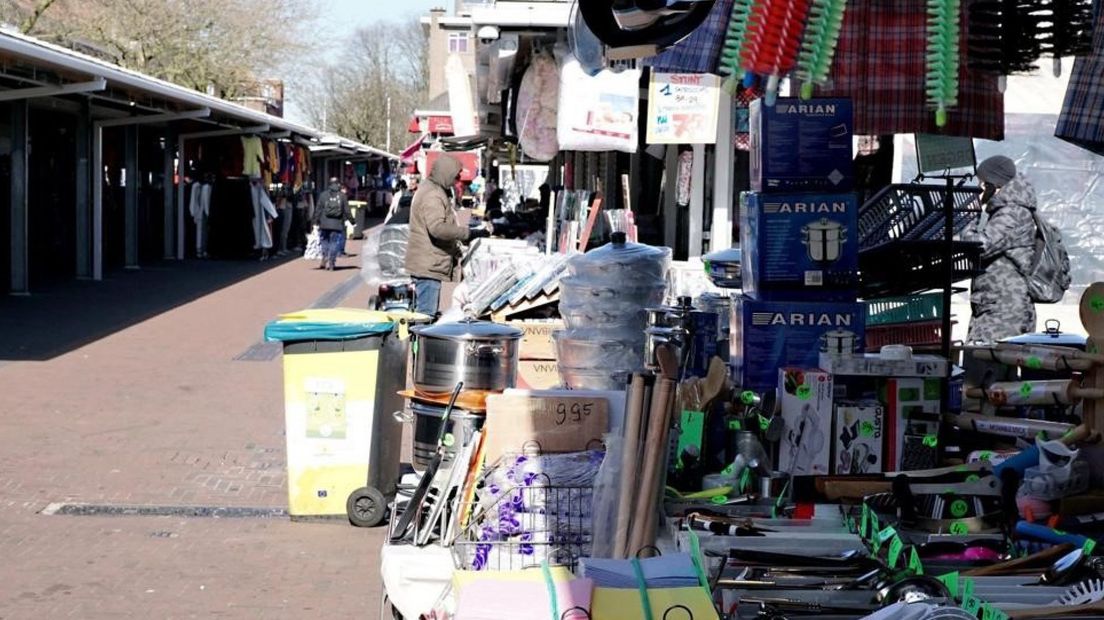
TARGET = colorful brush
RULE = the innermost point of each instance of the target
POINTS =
(735, 37)
(773, 41)
(942, 78)
(1003, 37)
(818, 46)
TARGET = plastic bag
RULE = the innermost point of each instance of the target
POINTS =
(606, 494)
(538, 100)
(313, 250)
(599, 112)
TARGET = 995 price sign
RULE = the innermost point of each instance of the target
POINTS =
(572, 412)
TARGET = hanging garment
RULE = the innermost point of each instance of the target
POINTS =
(1082, 119)
(263, 212)
(700, 52)
(880, 64)
(200, 208)
(252, 156)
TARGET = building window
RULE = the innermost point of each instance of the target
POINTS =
(458, 42)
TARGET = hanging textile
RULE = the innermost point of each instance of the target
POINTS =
(1082, 119)
(701, 51)
(252, 156)
(881, 65)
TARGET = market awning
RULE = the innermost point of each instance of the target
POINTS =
(407, 156)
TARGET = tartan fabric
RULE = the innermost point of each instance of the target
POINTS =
(701, 51)
(1082, 119)
(880, 64)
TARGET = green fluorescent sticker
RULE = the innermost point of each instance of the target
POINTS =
(986, 455)
(866, 429)
(959, 508)
(448, 440)
(1096, 302)
(967, 589)
(804, 392)
(1034, 363)
(745, 477)
(735, 425)
(748, 397)
(1089, 546)
(719, 499)
(1025, 389)
(864, 523)
(973, 478)
(914, 565)
(951, 581)
(895, 548)
(875, 527)
(959, 528)
(885, 535)
(728, 471)
(971, 605)
(764, 423)
(931, 441)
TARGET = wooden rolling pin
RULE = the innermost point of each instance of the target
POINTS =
(630, 458)
(1012, 393)
(1039, 357)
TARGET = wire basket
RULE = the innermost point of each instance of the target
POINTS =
(526, 526)
(909, 267)
(914, 212)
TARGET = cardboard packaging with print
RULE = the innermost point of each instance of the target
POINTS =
(802, 146)
(806, 403)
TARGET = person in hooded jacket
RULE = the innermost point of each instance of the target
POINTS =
(433, 250)
(999, 300)
(330, 215)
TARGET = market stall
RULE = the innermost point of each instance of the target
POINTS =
(609, 427)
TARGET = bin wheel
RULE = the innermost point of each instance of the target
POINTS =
(366, 507)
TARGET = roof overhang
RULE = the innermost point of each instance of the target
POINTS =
(509, 14)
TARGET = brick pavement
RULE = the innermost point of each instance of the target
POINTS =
(157, 412)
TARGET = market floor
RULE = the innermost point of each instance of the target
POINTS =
(149, 406)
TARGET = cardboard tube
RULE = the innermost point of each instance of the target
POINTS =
(630, 450)
(1008, 427)
(1039, 357)
(1012, 393)
(654, 449)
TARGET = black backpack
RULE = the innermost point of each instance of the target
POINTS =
(334, 208)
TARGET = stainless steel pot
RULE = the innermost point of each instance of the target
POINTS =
(824, 240)
(481, 354)
(839, 342)
(427, 421)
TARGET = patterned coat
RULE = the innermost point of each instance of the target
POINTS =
(1001, 305)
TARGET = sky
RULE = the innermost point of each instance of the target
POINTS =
(345, 16)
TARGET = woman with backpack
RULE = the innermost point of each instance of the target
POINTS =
(1000, 299)
(330, 215)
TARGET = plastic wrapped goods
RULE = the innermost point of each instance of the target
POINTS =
(538, 103)
(598, 112)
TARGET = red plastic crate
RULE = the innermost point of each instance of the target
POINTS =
(923, 334)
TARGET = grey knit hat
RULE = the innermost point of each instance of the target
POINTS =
(997, 170)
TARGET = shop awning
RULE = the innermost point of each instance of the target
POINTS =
(441, 125)
(407, 156)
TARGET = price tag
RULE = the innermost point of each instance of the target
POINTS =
(959, 528)
(1025, 389)
(931, 441)
(971, 605)
(959, 508)
(1089, 546)
(951, 581)
(804, 392)
(885, 535)
(967, 590)
(864, 523)
(895, 548)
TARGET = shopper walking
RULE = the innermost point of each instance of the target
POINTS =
(999, 299)
(330, 215)
(433, 251)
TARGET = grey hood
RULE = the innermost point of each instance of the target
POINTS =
(1018, 192)
(445, 170)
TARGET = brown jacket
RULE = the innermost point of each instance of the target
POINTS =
(434, 247)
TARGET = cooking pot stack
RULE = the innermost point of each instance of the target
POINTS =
(483, 355)
(603, 303)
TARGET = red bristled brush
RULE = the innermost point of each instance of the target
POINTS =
(774, 41)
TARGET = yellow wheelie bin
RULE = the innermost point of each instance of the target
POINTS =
(343, 369)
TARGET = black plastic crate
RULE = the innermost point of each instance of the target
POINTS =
(914, 212)
(909, 267)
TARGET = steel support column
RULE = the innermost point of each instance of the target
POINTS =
(168, 251)
(723, 201)
(83, 199)
(130, 193)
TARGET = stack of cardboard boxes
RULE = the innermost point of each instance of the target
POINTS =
(799, 238)
(537, 369)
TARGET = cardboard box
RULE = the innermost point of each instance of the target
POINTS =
(800, 246)
(536, 338)
(912, 423)
(768, 335)
(802, 146)
(806, 401)
(874, 365)
(858, 438)
(538, 375)
(555, 423)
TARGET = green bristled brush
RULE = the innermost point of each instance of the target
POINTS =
(943, 56)
(818, 46)
(734, 43)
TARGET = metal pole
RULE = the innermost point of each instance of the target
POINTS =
(130, 194)
(20, 256)
(168, 252)
(84, 177)
(388, 124)
(97, 202)
(180, 171)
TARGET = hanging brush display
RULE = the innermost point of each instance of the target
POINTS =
(1070, 30)
(1003, 37)
(773, 41)
(818, 46)
(943, 47)
(735, 37)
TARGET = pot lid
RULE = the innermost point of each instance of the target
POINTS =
(622, 252)
(632, 23)
(730, 255)
(824, 224)
(469, 329)
(839, 333)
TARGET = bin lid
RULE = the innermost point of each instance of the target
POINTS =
(329, 324)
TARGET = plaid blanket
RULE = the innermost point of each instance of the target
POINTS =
(701, 51)
(1082, 119)
(880, 64)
